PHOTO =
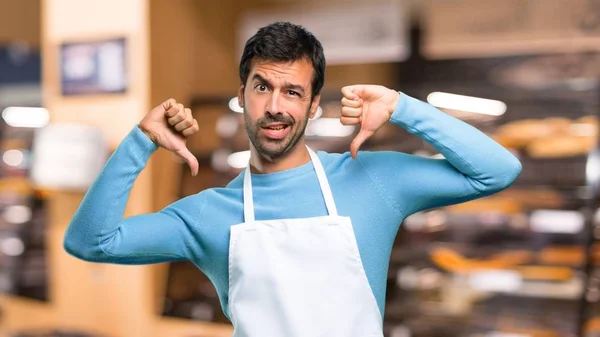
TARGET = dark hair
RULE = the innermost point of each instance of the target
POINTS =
(285, 42)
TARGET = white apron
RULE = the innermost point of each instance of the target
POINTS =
(299, 277)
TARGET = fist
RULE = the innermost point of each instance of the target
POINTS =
(168, 126)
(369, 107)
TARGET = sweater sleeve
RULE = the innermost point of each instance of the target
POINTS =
(474, 165)
(99, 233)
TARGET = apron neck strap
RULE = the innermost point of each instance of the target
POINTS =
(325, 188)
(321, 176)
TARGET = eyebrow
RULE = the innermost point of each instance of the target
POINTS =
(286, 85)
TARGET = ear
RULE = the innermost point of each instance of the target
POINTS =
(241, 96)
(314, 105)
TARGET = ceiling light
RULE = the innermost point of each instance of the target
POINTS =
(235, 106)
(466, 103)
(227, 125)
(328, 127)
(556, 221)
(22, 117)
(17, 214)
(239, 160)
(12, 247)
(492, 280)
(13, 158)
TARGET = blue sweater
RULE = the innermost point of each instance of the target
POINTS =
(378, 190)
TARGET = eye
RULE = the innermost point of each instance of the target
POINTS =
(293, 93)
(260, 88)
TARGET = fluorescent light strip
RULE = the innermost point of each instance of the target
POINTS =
(556, 221)
(328, 127)
(466, 103)
(23, 117)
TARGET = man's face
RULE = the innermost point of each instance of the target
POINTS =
(277, 105)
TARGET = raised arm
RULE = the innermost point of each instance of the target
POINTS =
(99, 233)
(474, 165)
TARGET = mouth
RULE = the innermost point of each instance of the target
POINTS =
(275, 130)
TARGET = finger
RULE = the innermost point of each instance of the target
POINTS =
(351, 103)
(176, 119)
(360, 138)
(191, 130)
(189, 158)
(168, 104)
(180, 116)
(173, 110)
(349, 120)
(184, 120)
(351, 92)
(351, 112)
(184, 124)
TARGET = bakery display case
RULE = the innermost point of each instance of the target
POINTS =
(517, 262)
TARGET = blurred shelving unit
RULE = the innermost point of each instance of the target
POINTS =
(515, 262)
(23, 248)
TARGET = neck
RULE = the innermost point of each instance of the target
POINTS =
(262, 165)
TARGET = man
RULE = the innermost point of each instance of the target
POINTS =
(299, 243)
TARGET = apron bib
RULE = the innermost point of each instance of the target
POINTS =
(299, 277)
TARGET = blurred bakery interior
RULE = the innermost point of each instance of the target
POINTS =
(523, 262)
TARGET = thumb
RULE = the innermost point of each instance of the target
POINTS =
(360, 138)
(189, 158)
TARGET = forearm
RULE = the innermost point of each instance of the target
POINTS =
(100, 213)
(489, 166)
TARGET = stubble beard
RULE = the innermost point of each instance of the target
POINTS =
(272, 148)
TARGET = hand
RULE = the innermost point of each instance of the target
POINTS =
(168, 126)
(370, 107)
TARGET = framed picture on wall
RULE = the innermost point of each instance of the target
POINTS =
(91, 68)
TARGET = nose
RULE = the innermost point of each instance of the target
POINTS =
(274, 106)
